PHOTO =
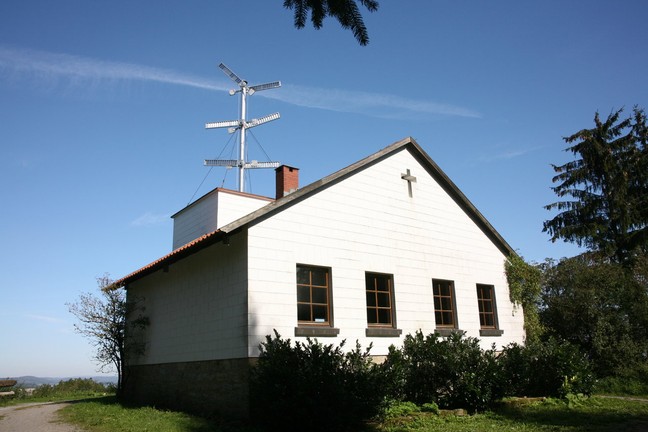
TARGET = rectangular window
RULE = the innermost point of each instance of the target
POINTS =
(313, 295)
(445, 312)
(380, 299)
(487, 311)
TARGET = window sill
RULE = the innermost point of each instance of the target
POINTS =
(491, 332)
(316, 331)
(447, 331)
(382, 332)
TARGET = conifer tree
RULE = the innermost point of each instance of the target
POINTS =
(605, 189)
(345, 11)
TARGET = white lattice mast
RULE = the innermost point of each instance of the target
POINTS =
(243, 125)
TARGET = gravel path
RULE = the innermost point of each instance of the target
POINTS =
(40, 417)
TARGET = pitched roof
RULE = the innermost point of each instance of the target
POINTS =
(274, 207)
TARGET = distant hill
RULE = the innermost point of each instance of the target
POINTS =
(32, 381)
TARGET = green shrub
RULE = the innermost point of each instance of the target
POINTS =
(314, 387)
(601, 307)
(43, 390)
(630, 381)
(400, 409)
(71, 387)
(20, 393)
(111, 388)
(549, 368)
(430, 407)
(452, 372)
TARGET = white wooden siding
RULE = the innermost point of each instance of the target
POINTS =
(368, 222)
(198, 308)
(212, 211)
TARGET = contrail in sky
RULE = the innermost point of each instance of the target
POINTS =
(508, 154)
(45, 318)
(52, 67)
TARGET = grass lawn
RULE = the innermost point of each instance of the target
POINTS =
(52, 398)
(107, 414)
(593, 414)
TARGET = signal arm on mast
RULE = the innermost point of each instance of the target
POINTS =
(242, 124)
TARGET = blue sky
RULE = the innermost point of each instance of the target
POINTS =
(103, 105)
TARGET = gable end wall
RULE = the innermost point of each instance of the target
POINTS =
(368, 223)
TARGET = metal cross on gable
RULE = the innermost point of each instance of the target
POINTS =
(410, 179)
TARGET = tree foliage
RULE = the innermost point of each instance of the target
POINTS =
(73, 387)
(525, 286)
(346, 12)
(605, 189)
(600, 306)
(102, 319)
(599, 300)
(552, 367)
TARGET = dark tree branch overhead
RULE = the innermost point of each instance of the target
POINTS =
(346, 12)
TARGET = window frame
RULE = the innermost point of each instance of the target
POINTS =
(378, 329)
(441, 327)
(327, 272)
(390, 295)
(312, 328)
(487, 330)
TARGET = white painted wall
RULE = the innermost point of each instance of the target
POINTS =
(368, 222)
(197, 309)
(212, 211)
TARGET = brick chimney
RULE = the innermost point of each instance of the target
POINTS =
(287, 180)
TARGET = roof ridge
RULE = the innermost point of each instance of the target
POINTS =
(278, 205)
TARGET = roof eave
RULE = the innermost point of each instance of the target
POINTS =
(268, 210)
(449, 186)
(176, 255)
(470, 209)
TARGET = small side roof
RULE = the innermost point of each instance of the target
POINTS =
(222, 190)
(267, 211)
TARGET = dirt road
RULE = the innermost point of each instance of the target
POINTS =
(34, 418)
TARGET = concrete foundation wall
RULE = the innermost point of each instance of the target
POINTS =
(215, 387)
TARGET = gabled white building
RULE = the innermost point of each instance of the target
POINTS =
(380, 249)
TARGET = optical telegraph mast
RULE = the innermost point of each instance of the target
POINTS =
(233, 125)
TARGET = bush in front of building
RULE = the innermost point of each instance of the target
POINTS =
(315, 387)
(452, 372)
(546, 368)
(311, 386)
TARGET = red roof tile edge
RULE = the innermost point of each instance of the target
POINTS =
(175, 255)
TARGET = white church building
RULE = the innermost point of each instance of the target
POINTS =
(380, 249)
